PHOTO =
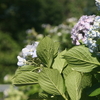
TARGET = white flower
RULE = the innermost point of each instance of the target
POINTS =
(27, 54)
(34, 54)
(21, 61)
(30, 50)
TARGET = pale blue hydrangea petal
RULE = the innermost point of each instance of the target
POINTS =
(29, 50)
(34, 54)
(21, 61)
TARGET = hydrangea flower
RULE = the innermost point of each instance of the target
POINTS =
(97, 2)
(88, 31)
(81, 28)
(29, 50)
(21, 61)
(93, 35)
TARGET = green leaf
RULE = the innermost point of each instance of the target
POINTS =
(25, 78)
(86, 80)
(86, 84)
(25, 68)
(59, 62)
(94, 90)
(80, 59)
(51, 81)
(56, 46)
(66, 71)
(73, 85)
(43, 94)
(46, 51)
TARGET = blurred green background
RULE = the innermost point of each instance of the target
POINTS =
(18, 16)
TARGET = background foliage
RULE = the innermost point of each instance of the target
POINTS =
(17, 16)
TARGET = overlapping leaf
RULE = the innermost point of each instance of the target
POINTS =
(73, 84)
(66, 71)
(80, 59)
(59, 62)
(25, 76)
(86, 80)
(51, 81)
(47, 50)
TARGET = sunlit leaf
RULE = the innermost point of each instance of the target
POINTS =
(25, 68)
(73, 85)
(80, 59)
(46, 51)
(67, 70)
(59, 62)
(25, 78)
(51, 81)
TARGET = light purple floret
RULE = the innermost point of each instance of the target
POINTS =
(81, 28)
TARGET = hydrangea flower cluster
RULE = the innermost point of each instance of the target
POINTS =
(93, 35)
(87, 30)
(28, 51)
(97, 2)
(81, 28)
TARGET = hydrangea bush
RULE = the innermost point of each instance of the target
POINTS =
(72, 74)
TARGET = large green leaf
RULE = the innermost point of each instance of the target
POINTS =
(80, 59)
(51, 81)
(85, 82)
(25, 78)
(59, 62)
(73, 85)
(47, 50)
